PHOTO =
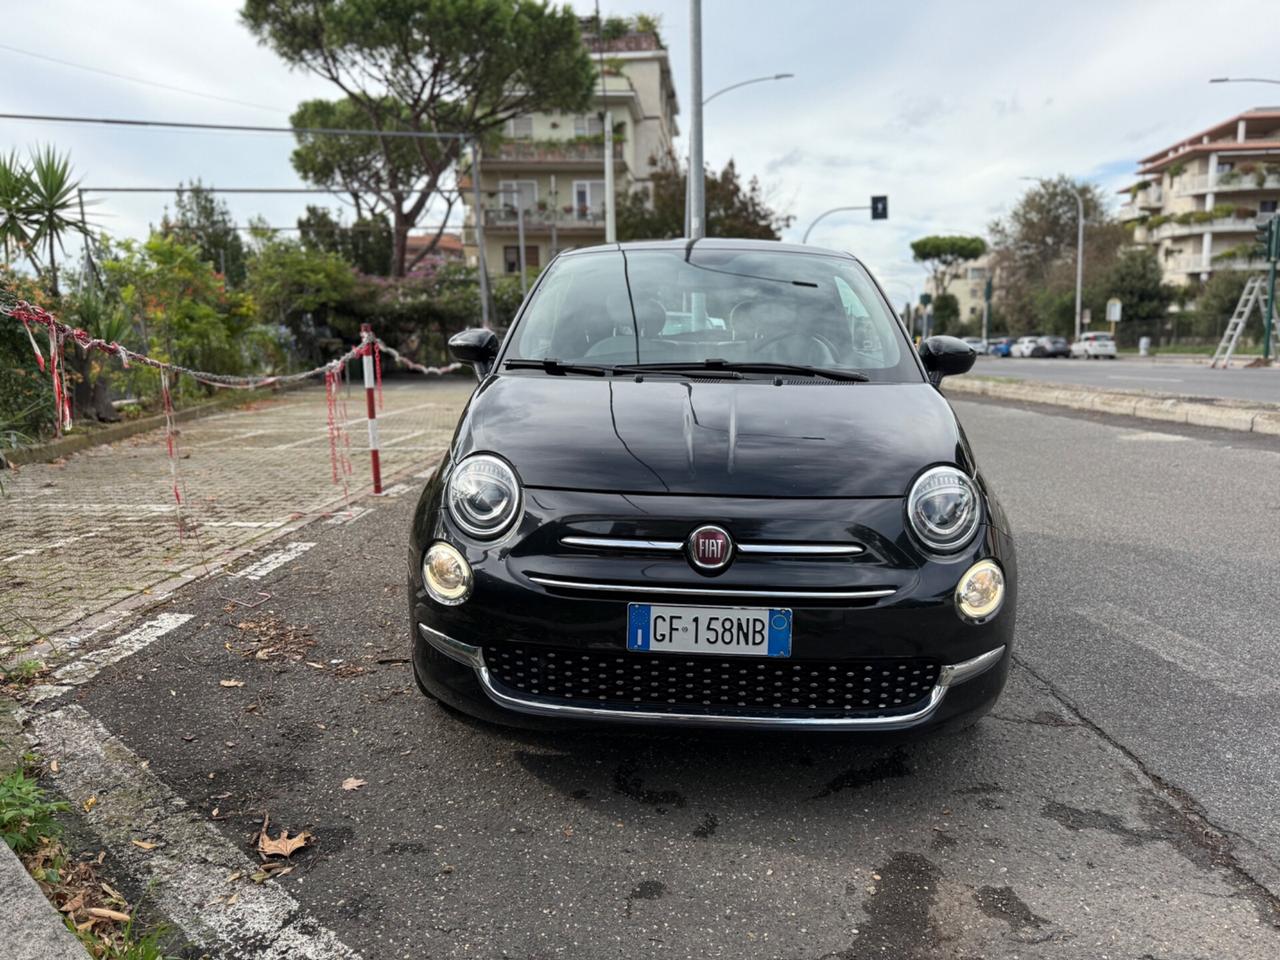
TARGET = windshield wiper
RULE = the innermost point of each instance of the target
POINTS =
(713, 364)
(559, 367)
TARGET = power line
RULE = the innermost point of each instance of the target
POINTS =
(149, 83)
(241, 128)
(203, 189)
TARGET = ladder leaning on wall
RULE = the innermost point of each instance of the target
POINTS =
(1253, 296)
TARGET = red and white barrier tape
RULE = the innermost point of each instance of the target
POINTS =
(369, 351)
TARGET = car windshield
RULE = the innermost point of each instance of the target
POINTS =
(741, 307)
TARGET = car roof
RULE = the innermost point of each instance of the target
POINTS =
(714, 243)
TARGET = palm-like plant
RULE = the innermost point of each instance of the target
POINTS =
(15, 208)
(53, 201)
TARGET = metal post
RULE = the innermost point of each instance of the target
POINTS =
(481, 268)
(370, 345)
(555, 216)
(610, 213)
(524, 277)
(1079, 256)
(695, 185)
(1271, 291)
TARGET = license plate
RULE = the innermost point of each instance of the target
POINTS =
(737, 631)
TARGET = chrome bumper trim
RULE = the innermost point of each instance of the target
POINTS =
(755, 549)
(472, 656)
(712, 591)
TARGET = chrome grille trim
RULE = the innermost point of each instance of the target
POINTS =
(675, 589)
(950, 675)
(615, 543)
(802, 549)
(756, 549)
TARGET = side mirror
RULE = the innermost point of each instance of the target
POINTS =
(946, 357)
(477, 347)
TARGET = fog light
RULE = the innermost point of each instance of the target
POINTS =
(446, 574)
(980, 591)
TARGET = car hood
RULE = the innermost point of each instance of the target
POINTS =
(712, 438)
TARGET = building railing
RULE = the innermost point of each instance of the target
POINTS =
(1229, 182)
(1194, 263)
(1218, 225)
(588, 151)
(543, 217)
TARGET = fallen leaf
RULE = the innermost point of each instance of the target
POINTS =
(103, 913)
(143, 844)
(188, 737)
(234, 877)
(231, 683)
(283, 845)
(318, 666)
(53, 766)
(214, 813)
(90, 804)
(353, 783)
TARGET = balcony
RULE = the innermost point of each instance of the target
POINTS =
(1193, 263)
(1229, 182)
(1166, 231)
(574, 154)
(503, 218)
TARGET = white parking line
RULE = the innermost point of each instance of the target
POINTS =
(187, 871)
(91, 664)
(273, 560)
(351, 517)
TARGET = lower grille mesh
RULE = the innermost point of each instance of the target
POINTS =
(622, 681)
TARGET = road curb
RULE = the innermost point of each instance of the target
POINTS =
(1223, 414)
(29, 924)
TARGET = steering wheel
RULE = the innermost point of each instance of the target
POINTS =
(827, 346)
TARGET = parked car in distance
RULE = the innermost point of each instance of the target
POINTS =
(1025, 347)
(762, 515)
(999, 346)
(1052, 347)
(978, 344)
(1093, 346)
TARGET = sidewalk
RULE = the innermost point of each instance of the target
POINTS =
(100, 529)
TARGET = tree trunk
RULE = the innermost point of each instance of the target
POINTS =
(399, 243)
(103, 409)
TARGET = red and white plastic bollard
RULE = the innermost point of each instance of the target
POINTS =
(370, 345)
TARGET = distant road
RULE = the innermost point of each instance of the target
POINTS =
(1184, 379)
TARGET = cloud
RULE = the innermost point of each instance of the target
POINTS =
(938, 108)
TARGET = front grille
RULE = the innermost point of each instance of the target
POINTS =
(707, 684)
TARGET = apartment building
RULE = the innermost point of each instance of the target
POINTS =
(968, 286)
(549, 168)
(1198, 201)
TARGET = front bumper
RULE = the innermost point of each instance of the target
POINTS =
(949, 677)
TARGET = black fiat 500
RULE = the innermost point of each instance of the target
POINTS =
(711, 483)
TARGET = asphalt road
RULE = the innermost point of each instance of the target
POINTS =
(1181, 378)
(1121, 802)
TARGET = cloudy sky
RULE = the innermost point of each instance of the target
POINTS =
(940, 105)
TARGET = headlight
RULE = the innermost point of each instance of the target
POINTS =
(483, 496)
(980, 591)
(446, 574)
(943, 509)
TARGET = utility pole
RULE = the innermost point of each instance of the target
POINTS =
(1079, 255)
(1273, 254)
(695, 186)
(610, 212)
(481, 269)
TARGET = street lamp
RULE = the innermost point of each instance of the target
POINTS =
(805, 238)
(1242, 80)
(688, 193)
(1079, 195)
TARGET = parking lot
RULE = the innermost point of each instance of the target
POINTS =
(1119, 802)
